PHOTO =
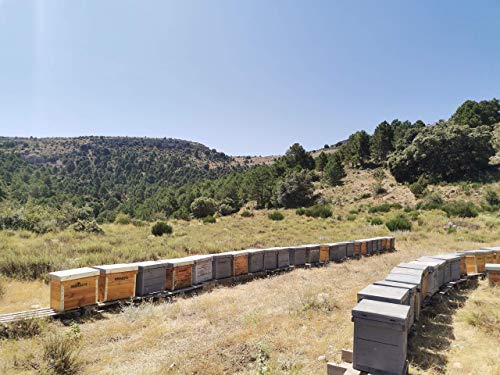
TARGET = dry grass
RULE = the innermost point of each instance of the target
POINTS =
(23, 295)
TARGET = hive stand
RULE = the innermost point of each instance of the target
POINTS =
(345, 367)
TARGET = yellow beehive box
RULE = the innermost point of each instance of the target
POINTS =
(70, 289)
(117, 281)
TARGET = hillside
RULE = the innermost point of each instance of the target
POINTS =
(104, 173)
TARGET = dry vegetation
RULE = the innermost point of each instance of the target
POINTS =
(282, 324)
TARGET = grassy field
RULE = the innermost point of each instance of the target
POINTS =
(291, 323)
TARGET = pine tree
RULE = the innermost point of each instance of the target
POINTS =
(321, 161)
(334, 170)
(381, 142)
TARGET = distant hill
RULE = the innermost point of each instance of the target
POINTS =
(103, 172)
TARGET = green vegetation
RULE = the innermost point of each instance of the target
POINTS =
(275, 215)
(160, 228)
(461, 208)
(334, 170)
(399, 222)
(203, 207)
(385, 207)
(376, 220)
(246, 213)
(319, 210)
(209, 220)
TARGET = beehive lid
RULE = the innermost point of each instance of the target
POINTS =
(414, 265)
(254, 251)
(273, 249)
(403, 278)
(116, 268)
(238, 253)
(73, 274)
(199, 257)
(447, 256)
(381, 311)
(337, 243)
(178, 262)
(395, 284)
(492, 267)
(384, 291)
(313, 246)
(223, 255)
(150, 264)
(469, 252)
(486, 251)
(433, 261)
(491, 248)
(409, 271)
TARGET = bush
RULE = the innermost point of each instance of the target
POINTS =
(122, 219)
(351, 217)
(87, 226)
(378, 189)
(300, 211)
(413, 215)
(161, 228)
(399, 222)
(61, 352)
(202, 207)
(275, 215)
(419, 187)
(491, 198)
(432, 201)
(209, 219)
(385, 207)
(225, 209)
(364, 196)
(461, 208)
(295, 189)
(246, 213)
(23, 329)
(319, 211)
(376, 221)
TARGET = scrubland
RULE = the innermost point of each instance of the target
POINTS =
(289, 323)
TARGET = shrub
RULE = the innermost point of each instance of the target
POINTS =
(160, 228)
(225, 209)
(432, 201)
(413, 215)
(26, 328)
(399, 222)
(419, 187)
(61, 352)
(385, 207)
(300, 211)
(209, 219)
(491, 198)
(203, 206)
(319, 211)
(351, 217)
(246, 213)
(122, 219)
(88, 226)
(275, 215)
(461, 208)
(378, 189)
(295, 189)
(364, 196)
(376, 221)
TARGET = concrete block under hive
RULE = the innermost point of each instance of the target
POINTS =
(70, 289)
(117, 281)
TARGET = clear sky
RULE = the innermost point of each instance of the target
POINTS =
(241, 76)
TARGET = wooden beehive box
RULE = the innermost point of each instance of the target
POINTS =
(350, 249)
(283, 257)
(70, 289)
(360, 247)
(271, 258)
(151, 277)
(298, 255)
(324, 253)
(489, 256)
(493, 271)
(179, 273)
(338, 251)
(240, 262)
(222, 266)
(312, 254)
(255, 260)
(202, 268)
(495, 251)
(423, 273)
(116, 281)
(463, 266)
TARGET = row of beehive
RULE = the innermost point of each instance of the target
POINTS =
(387, 309)
(79, 287)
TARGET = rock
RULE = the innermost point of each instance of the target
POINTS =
(457, 365)
(322, 358)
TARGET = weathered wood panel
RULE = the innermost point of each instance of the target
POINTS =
(240, 265)
(179, 277)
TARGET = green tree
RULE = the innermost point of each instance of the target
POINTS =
(295, 189)
(203, 206)
(334, 170)
(444, 152)
(357, 148)
(296, 155)
(321, 161)
(474, 114)
(381, 142)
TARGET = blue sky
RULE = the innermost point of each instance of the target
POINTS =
(244, 77)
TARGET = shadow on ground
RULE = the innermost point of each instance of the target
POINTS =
(433, 335)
